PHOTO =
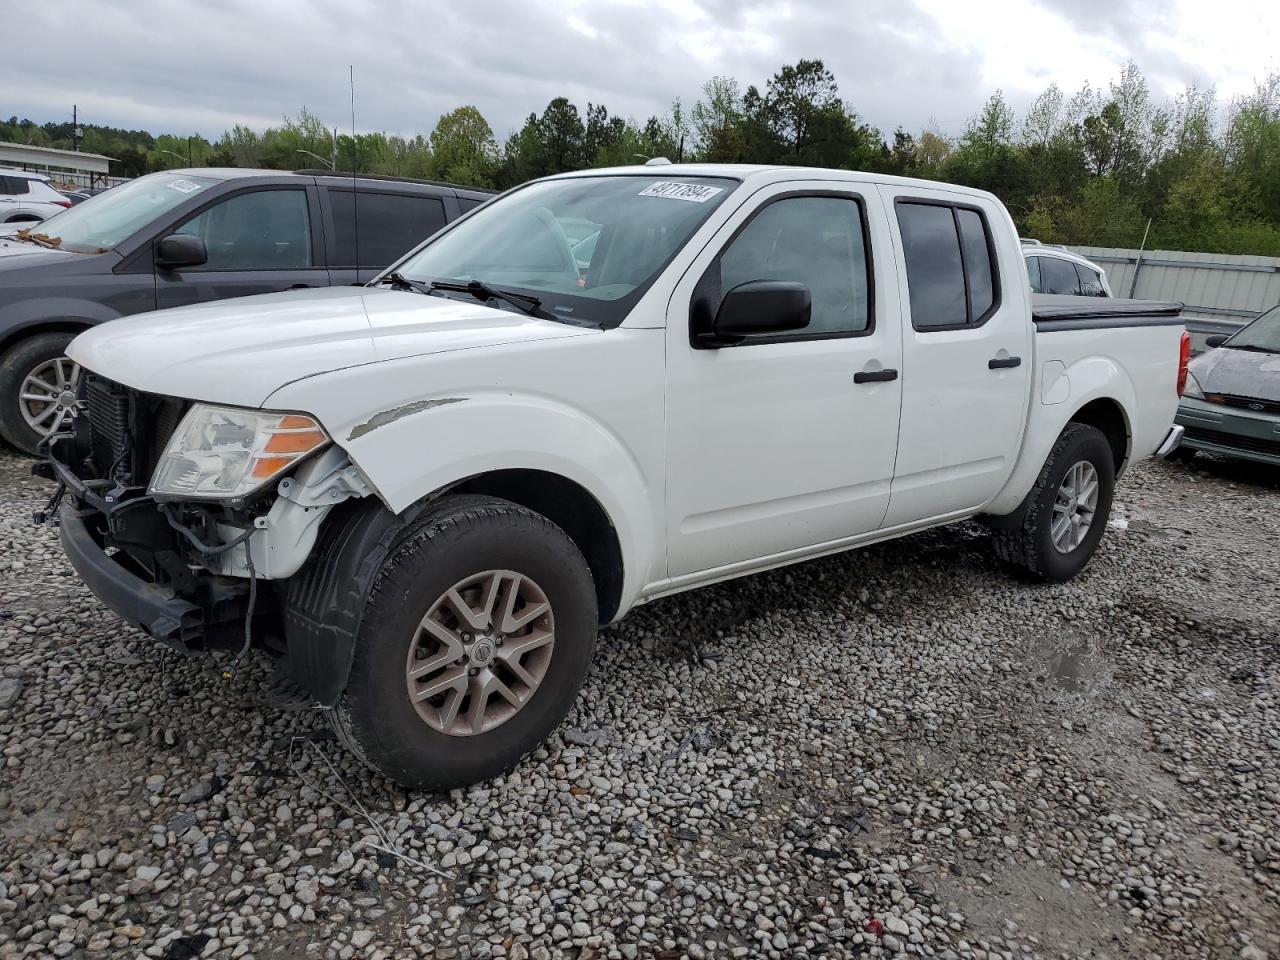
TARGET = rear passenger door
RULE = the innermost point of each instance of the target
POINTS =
(966, 352)
(370, 229)
(259, 240)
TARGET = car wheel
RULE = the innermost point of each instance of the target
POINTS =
(37, 389)
(1064, 516)
(477, 633)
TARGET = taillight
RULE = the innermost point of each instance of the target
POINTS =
(63, 203)
(1184, 357)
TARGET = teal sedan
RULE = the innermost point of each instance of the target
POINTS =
(1231, 405)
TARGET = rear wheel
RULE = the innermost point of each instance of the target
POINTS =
(477, 634)
(1065, 514)
(37, 389)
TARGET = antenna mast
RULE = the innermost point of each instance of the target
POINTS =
(355, 187)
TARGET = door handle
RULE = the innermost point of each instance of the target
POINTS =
(875, 376)
(1003, 363)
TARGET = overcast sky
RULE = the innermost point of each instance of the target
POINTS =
(182, 66)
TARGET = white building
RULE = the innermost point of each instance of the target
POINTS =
(70, 166)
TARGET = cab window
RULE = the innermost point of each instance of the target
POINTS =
(817, 241)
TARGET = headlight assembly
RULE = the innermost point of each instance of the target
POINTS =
(1192, 389)
(225, 453)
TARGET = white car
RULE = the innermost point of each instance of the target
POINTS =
(425, 494)
(1056, 270)
(27, 197)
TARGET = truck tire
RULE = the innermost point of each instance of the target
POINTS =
(42, 357)
(1066, 512)
(477, 633)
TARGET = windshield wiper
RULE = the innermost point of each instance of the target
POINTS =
(41, 239)
(531, 306)
(398, 279)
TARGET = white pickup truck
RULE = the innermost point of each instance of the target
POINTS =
(424, 495)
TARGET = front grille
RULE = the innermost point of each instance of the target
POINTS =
(1246, 403)
(127, 429)
(1234, 441)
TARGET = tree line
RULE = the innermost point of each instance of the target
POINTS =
(1103, 167)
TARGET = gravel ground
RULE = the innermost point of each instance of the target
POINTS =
(899, 750)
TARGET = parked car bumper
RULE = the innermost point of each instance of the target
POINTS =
(1230, 431)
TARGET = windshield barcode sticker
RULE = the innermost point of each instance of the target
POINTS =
(693, 192)
(184, 186)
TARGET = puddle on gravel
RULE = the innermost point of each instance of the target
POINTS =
(1073, 669)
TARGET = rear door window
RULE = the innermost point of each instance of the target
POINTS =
(935, 270)
(979, 270)
(1059, 276)
(952, 280)
(15, 186)
(381, 227)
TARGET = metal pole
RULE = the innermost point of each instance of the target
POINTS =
(1137, 265)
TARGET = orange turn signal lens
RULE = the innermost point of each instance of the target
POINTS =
(266, 467)
(301, 441)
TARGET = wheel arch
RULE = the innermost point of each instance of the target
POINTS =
(323, 604)
(72, 325)
(572, 508)
(1108, 416)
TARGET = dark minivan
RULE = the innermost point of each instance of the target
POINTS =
(186, 236)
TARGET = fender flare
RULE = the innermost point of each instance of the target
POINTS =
(410, 453)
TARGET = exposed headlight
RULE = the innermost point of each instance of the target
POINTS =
(225, 453)
(1192, 388)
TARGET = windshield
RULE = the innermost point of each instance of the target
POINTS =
(1262, 334)
(586, 247)
(103, 221)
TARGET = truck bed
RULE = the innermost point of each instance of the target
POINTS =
(1056, 312)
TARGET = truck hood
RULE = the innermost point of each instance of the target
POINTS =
(1242, 373)
(241, 351)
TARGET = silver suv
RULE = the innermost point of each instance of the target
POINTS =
(27, 197)
(1054, 269)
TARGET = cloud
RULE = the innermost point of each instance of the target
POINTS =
(183, 66)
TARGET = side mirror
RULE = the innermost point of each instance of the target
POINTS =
(761, 306)
(1217, 340)
(180, 250)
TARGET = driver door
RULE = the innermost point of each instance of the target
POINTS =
(778, 445)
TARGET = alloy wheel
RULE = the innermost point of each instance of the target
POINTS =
(480, 653)
(47, 395)
(1074, 507)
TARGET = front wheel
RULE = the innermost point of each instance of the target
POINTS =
(1066, 512)
(37, 389)
(477, 633)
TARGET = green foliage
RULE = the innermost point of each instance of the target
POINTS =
(1090, 168)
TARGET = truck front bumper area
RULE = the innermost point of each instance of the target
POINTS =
(153, 609)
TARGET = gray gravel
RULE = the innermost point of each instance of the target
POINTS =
(895, 751)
